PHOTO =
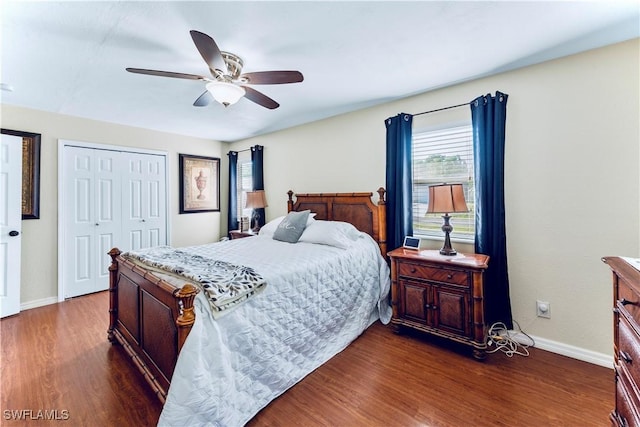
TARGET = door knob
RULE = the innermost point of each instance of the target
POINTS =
(14, 233)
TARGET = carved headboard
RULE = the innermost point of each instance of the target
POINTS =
(355, 208)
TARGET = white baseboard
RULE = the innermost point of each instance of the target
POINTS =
(578, 353)
(38, 303)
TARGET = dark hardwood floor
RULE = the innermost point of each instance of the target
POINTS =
(56, 362)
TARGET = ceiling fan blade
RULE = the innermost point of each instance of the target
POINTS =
(209, 51)
(260, 98)
(204, 99)
(272, 77)
(165, 74)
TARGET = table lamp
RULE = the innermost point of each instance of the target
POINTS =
(256, 200)
(446, 199)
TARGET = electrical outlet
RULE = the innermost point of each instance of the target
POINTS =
(543, 309)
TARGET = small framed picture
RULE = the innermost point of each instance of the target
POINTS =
(30, 172)
(199, 184)
(411, 242)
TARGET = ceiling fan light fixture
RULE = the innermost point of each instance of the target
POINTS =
(225, 93)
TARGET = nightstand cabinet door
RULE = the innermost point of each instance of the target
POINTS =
(440, 295)
(451, 309)
(415, 301)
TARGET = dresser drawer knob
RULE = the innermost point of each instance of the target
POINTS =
(413, 269)
(449, 276)
(625, 301)
(625, 356)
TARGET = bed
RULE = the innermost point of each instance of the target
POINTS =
(313, 305)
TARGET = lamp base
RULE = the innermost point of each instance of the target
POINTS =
(448, 252)
(447, 228)
(256, 220)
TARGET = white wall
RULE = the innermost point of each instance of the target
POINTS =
(39, 270)
(572, 178)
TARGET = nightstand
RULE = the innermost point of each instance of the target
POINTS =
(440, 295)
(237, 234)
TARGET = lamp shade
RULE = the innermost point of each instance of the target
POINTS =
(256, 200)
(225, 93)
(446, 198)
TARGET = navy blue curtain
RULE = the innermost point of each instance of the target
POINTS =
(398, 180)
(232, 219)
(257, 171)
(488, 117)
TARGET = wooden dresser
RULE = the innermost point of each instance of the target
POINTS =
(626, 341)
(441, 295)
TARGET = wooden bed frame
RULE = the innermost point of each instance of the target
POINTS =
(151, 318)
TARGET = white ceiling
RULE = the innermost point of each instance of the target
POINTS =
(70, 57)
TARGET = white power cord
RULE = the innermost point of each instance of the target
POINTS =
(500, 337)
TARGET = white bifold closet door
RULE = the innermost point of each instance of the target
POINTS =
(144, 199)
(111, 199)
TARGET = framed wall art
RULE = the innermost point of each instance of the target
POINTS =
(199, 184)
(30, 172)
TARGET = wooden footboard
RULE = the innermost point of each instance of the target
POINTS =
(150, 318)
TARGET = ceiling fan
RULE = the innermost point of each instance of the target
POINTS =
(228, 85)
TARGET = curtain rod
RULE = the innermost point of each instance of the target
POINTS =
(240, 151)
(256, 147)
(440, 109)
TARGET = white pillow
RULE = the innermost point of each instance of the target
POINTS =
(269, 228)
(333, 233)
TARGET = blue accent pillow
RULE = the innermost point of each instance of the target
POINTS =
(291, 227)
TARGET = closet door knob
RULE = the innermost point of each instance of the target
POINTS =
(14, 233)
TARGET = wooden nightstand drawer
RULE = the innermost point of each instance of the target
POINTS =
(434, 273)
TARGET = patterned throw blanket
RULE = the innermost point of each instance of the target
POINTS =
(224, 284)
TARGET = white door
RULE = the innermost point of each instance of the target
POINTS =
(10, 223)
(144, 199)
(92, 219)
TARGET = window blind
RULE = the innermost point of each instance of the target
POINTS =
(439, 156)
(245, 182)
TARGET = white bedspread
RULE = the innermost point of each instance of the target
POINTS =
(318, 300)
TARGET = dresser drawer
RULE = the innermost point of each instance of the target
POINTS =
(628, 348)
(626, 413)
(628, 300)
(434, 273)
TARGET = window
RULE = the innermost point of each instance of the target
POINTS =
(439, 156)
(245, 182)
